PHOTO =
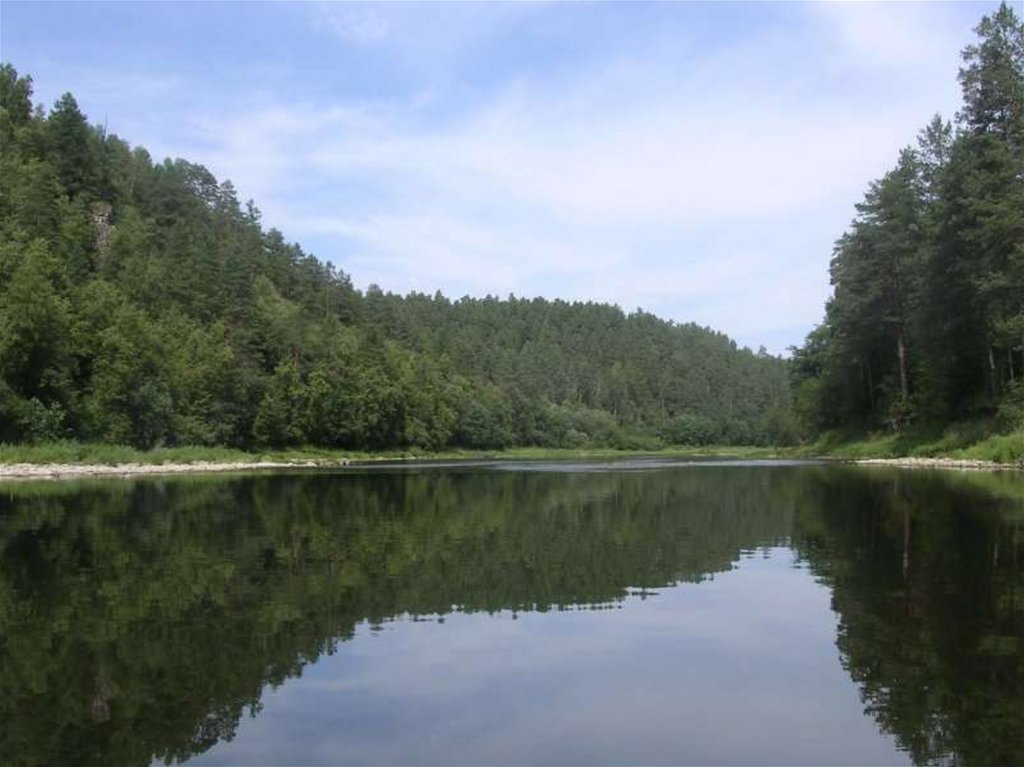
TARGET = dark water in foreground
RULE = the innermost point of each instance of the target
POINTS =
(627, 613)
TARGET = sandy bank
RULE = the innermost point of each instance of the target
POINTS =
(26, 471)
(68, 470)
(941, 463)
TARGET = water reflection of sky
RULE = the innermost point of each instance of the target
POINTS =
(740, 669)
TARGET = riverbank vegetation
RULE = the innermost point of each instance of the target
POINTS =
(953, 444)
(925, 327)
(69, 452)
(142, 304)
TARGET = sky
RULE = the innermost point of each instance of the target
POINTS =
(696, 160)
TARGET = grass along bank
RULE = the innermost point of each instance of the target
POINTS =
(68, 460)
(69, 452)
(958, 443)
(962, 442)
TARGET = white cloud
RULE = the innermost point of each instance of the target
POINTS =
(893, 35)
(685, 190)
(353, 22)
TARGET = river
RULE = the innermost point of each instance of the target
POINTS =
(609, 612)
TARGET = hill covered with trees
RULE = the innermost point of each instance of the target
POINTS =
(142, 303)
(926, 321)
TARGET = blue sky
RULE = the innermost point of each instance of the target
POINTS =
(697, 160)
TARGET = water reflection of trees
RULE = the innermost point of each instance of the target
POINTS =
(143, 620)
(927, 578)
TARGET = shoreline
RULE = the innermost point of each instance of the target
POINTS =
(963, 464)
(56, 471)
(29, 471)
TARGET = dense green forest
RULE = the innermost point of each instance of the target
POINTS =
(926, 321)
(141, 303)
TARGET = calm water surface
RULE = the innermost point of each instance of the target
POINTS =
(632, 612)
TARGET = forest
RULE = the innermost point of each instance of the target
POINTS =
(926, 321)
(141, 303)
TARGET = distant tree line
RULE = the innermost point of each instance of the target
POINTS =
(926, 321)
(142, 303)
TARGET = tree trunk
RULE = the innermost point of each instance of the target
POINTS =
(901, 354)
(103, 692)
(871, 385)
(992, 369)
(1009, 359)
